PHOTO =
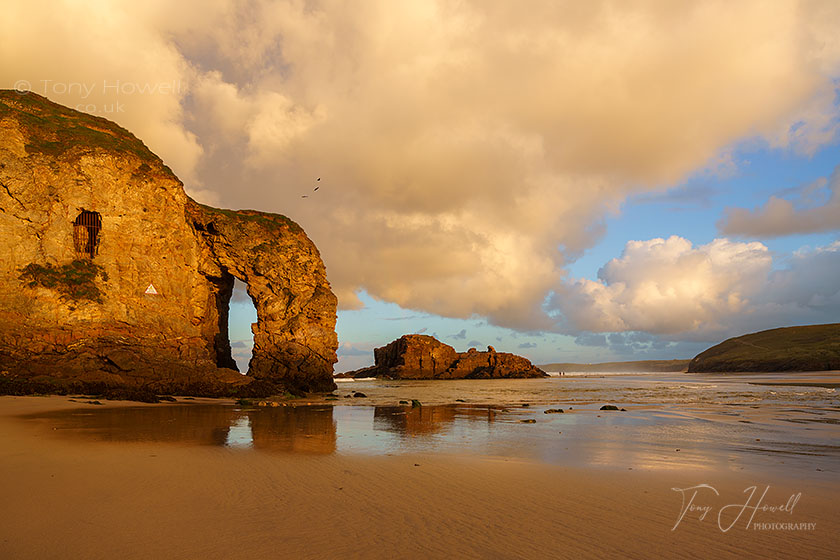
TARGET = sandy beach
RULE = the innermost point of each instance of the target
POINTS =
(65, 498)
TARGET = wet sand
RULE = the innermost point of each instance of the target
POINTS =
(78, 498)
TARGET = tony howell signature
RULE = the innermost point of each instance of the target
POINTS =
(729, 514)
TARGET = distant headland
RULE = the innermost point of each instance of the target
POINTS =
(807, 348)
(628, 367)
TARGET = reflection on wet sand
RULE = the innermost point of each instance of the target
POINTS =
(663, 438)
(414, 421)
(302, 429)
(297, 429)
(309, 429)
(199, 425)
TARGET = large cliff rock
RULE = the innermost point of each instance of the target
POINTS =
(417, 356)
(91, 220)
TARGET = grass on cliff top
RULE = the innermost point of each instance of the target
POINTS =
(807, 348)
(74, 281)
(267, 220)
(53, 129)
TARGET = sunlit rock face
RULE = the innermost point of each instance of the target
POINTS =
(110, 273)
(294, 337)
(417, 356)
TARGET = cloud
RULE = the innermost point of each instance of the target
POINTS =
(462, 335)
(474, 344)
(591, 339)
(528, 345)
(670, 288)
(460, 143)
(814, 208)
(806, 290)
(634, 343)
(687, 195)
(112, 59)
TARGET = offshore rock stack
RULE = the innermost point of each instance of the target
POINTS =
(417, 356)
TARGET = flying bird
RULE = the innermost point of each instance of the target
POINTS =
(313, 190)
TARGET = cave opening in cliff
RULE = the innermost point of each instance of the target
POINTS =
(86, 228)
(241, 315)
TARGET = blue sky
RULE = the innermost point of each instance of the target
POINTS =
(693, 208)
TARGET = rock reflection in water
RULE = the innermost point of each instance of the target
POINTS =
(303, 429)
(423, 420)
(641, 438)
(296, 429)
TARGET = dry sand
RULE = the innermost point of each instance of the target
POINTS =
(85, 499)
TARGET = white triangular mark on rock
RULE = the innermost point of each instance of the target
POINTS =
(151, 290)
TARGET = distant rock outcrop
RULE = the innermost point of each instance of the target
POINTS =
(417, 356)
(112, 276)
(807, 348)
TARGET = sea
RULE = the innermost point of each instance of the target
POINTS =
(756, 422)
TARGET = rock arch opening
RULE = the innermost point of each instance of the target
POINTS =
(242, 314)
(86, 228)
